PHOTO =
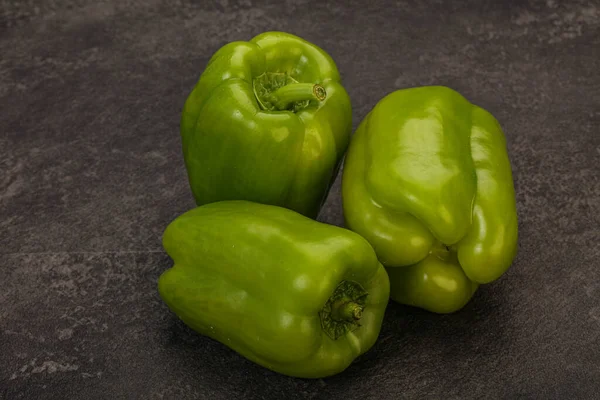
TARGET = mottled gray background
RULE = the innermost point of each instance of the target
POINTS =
(91, 173)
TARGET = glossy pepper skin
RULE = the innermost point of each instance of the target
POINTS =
(427, 181)
(268, 121)
(294, 295)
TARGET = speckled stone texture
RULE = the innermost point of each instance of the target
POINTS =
(91, 173)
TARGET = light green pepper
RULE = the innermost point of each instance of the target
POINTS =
(427, 181)
(294, 295)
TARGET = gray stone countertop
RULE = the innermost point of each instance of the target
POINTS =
(91, 173)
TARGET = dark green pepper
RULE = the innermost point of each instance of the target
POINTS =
(268, 122)
(292, 294)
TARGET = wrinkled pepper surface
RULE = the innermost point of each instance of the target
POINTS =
(292, 294)
(428, 182)
(268, 121)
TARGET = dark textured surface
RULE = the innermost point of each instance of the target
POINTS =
(91, 173)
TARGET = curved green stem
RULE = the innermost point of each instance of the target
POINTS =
(283, 97)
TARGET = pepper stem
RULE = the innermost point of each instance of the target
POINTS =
(346, 311)
(285, 96)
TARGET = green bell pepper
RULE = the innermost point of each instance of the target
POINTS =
(427, 181)
(268, 121)
(294, 295)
